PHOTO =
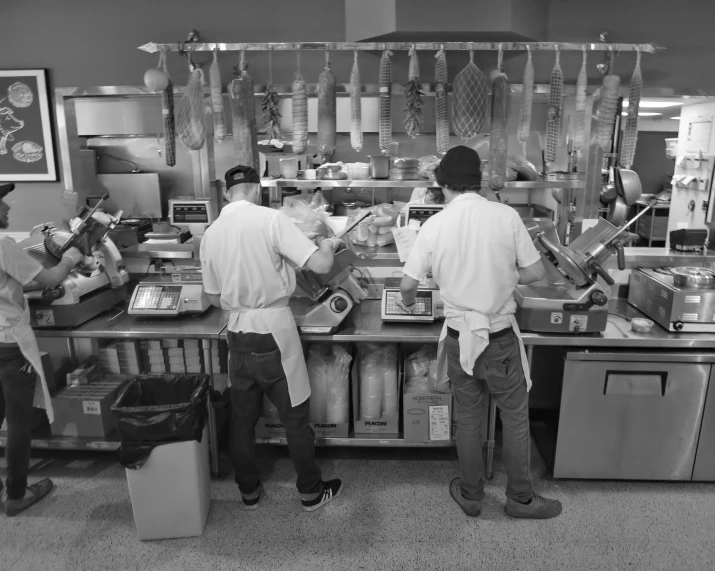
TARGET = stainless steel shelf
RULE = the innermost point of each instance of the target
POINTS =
(374, 440)
(372, 183)
(69, 443)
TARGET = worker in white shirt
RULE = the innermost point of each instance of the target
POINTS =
(248, 257)
(478, 251)
(20, 363)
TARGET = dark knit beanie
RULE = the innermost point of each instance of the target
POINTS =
(460, 167)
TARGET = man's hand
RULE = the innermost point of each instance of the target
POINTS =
(406, 307)
(336, 243)
(74, 256)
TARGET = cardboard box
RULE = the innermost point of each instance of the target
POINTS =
(83, 411)
(267, 427)
(179, 352)
(427, 417)
(388, 423)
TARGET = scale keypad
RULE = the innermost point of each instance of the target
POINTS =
(423, 305)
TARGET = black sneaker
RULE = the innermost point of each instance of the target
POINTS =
(331, 490)
(34, 494)
(252, 504)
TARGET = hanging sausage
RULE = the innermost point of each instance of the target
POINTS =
(527, 101)
(440, 101)
(217, 99)
(499, 136)
(327, 122)
(167, 112)
(300, 112)
(355, 106)
(579, 140)
(385, 134)
(243, 114)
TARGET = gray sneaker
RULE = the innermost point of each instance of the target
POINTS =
(469, 507)
(34, 494)
(537, 508)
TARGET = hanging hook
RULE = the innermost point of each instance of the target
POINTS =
(327, 56)
(500, 59)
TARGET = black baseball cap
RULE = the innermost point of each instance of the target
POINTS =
(241, 174)
(5, 189)
(461, 166)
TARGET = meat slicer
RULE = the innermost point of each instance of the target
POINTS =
(330, 297)
(95, 285)
(574, 295)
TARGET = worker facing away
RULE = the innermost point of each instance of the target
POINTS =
(478, 251)
(20, 364)
(248, 257)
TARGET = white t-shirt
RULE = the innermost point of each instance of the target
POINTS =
(474, 248)
(248, 256)
(17, 269)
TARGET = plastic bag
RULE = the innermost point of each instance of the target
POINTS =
(311, 222)
(404, 163)
(152, 410)
(427, 166)
(328, 373)
(421, 372)
(417, 386)
(378, 380)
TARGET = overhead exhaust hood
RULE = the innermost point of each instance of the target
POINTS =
(446, 20)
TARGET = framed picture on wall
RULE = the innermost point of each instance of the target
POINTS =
(27, 150)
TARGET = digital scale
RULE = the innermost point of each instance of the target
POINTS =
(422, 212)
(170, 295)
(425, 311)
(185, 212)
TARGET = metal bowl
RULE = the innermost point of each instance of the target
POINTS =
(699, 278)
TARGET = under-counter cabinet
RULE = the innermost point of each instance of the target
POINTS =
(634, 416)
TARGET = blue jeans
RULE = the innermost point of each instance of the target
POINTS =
(255, 368)
(16, 398)
(499, 369)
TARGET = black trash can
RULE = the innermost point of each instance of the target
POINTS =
(152, 410)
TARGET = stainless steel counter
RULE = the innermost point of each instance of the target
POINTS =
(208, 325)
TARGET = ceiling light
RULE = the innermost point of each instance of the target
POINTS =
(655, 104)
(642, 114)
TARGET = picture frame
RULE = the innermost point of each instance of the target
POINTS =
(27, 146)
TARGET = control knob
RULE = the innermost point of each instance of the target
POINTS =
(338, 304)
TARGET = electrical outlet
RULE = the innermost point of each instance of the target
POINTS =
(705, 205)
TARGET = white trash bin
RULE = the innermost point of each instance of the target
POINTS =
(170, 493)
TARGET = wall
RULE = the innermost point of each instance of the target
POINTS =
(84, 42)
(650, 162)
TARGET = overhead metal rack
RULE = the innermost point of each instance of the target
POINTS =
(153, 47)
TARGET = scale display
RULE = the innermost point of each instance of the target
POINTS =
(422, 213)
(424, 307)
(152, 297)
(190, 213)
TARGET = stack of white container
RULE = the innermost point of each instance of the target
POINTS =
(120, 357)
(192, 356)
(215, 357)
(176, 355)
(157, 362)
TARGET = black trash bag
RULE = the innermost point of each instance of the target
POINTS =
(152, 410)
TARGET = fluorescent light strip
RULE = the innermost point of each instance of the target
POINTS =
(654, 104)
(643, 114)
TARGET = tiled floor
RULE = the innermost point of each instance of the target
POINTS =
(395, 513)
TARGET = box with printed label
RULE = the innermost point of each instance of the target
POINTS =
(387, 423)
(427, 417)
(83, 410)
(268, 427)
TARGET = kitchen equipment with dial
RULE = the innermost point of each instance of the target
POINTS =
(95, 285)
(574, 295)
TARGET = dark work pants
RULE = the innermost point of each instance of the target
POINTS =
(16, 398)
(499, 370)
(254, 369)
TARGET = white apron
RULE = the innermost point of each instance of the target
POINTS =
(25, 339)
(281, 324)
(473, 340)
